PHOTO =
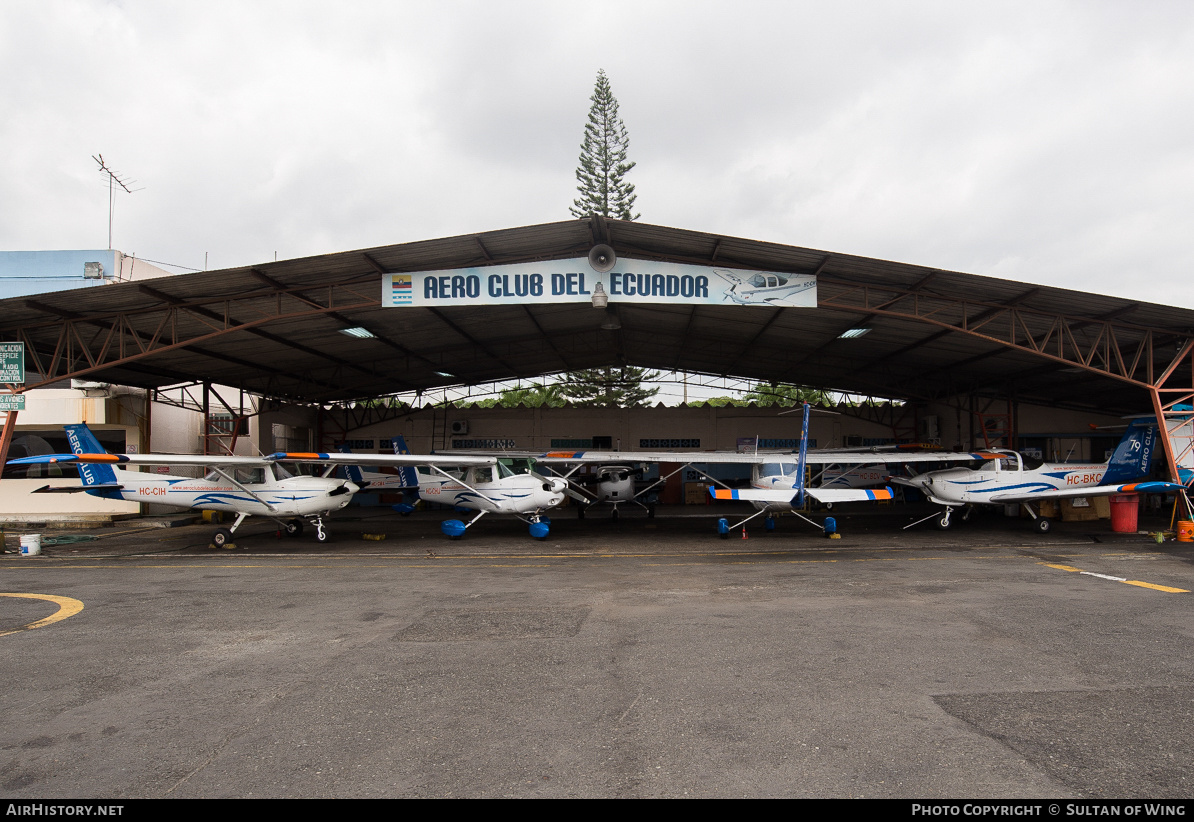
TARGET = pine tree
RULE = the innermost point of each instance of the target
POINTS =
(609, 387)
(601, 175)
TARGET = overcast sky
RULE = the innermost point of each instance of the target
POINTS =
(1049, 142)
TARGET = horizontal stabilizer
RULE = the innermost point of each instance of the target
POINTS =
(753, 494)
(78, 489)
(848, 494)
(788, 494)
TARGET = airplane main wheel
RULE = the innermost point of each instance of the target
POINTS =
(614, 515)
(1041, 525)
(294, 528)
(829, 506)
(223, 539)
(580, 512)
(651, 511)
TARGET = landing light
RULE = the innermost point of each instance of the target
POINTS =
(600, 298)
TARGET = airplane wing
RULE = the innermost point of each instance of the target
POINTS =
(144, 459)
(447, 460)
(894, 457)
(1092, 491)
(252, 462)
(622, 457)
(762, 457)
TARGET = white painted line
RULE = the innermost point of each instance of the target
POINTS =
(1104, 576)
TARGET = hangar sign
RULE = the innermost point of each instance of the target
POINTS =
(12, 363)
(574, 281)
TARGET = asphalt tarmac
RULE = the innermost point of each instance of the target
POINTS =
(618, 658)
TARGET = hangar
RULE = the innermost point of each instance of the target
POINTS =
(319, 330)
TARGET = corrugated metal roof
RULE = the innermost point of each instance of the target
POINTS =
(916, 346)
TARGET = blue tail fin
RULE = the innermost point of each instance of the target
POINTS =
(82, 441)
(410, 477)
(1133, 456)
(351, 472)
(801, 460)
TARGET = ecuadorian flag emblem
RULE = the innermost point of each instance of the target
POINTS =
(401, 292)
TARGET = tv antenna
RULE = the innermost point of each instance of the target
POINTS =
(114, 179)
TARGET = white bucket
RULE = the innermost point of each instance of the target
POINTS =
(30, 545)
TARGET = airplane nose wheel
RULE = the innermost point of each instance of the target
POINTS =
(321, 533)
(540, 527)
(943, 522)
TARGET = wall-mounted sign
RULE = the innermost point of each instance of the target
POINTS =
(497, 445)
(566, 281)
(12, 402)
(12, 363)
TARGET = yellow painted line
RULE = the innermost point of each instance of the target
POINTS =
(67, 607)
(1137, 583)
(1164, 588)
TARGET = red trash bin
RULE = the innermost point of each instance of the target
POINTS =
(1124, 508)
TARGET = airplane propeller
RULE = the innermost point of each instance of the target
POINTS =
(346, 488)
(552, 484)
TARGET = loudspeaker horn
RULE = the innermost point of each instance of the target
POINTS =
(602, 258)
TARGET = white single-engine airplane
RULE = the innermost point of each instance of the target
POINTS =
(271, 491)
(492, 485)
(763, 288)
(505, 486)
(612, 484)
(999, 477)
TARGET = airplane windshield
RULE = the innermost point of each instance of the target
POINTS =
(510, 466)
(1009, 463)
(777, 469)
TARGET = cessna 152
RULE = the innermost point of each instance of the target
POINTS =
(506, 486)
(612, 484)
(1000, 476)
(269, 490)
(497, 485)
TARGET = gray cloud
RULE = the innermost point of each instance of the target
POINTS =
(1048, 142)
